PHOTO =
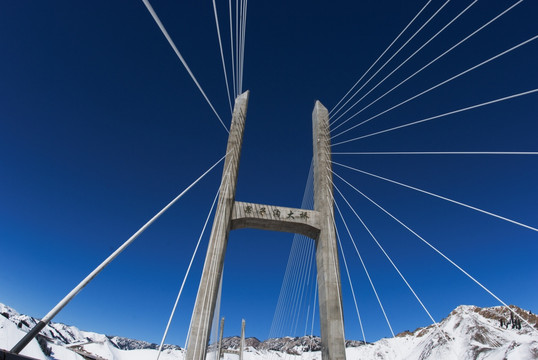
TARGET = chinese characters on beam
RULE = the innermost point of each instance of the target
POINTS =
(303, 215)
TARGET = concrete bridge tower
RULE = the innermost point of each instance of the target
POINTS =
(318, 224)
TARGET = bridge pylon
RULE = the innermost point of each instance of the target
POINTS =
(318, 224)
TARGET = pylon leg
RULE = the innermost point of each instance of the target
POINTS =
(329, 285)
(209, 284)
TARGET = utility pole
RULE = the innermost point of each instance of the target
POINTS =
(242, 345)
(219, 350)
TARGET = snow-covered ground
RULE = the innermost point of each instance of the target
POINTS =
(468, 333)
(10, 334)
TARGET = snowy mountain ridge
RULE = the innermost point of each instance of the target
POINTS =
(70, 335)
(468, 332)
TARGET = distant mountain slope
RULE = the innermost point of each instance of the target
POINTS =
(468, 333)
(64, 342)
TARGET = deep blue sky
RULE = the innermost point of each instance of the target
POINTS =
(100, 126)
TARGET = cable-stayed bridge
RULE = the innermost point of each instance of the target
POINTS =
(296, 309)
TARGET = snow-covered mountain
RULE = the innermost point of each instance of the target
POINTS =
(62, 342)
(469, 332)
